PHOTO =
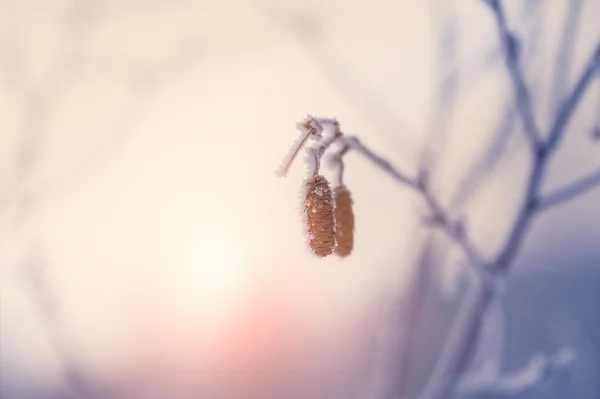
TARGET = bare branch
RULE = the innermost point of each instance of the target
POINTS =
(380, 162)
(337, 161)
(74, 370)
(541, 158)
(565, 52)
(453, 229)
(510, 45)
(566, 110)
(502, 141)
(570, 191)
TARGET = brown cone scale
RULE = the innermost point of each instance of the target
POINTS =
(344, 221)
(319, 208)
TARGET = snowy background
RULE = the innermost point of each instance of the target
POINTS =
(147, 249)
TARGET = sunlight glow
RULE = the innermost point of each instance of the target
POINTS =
(207, 270)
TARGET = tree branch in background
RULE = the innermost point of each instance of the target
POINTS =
(446, 93)
(570, 191)
(511, 48)
(38, 99)
(458, 351)
(73, 370)
(540, 161)
(504, 142)
(564, 54)
(570, 104)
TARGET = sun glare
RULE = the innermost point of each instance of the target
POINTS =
(206, 268)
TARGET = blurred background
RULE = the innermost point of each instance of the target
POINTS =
(147, 249)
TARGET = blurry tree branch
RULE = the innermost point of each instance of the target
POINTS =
(502, 145)
(570, 103)
(564, 54)
(541, 159)
(39, 98)
(570, 191)
(458, 350)
(512, 51)
(504, 141)
(74, 370)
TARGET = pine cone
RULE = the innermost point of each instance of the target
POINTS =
(344, 221)
(319, 208)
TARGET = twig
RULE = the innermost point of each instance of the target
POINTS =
(565, 52)
(570, 191)
(566, 110)
(452, 228)
(338, 160)
(381, 163)
(522, 95)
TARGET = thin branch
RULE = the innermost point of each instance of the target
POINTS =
(447, 92)
(566, 110)
(337, 160)
(565, 53)
(482, 168)
(503, 144)
(510, 45)
(72, 366)
(381, 163)
(541, 158)
(570, 191)
(453, 229)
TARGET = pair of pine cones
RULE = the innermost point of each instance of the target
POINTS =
(329, 218)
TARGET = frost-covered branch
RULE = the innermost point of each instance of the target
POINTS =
(381, 163)
(440, 217)
(511, 48)
(540, 369)
(570, 191)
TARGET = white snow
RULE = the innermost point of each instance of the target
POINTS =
(541, 367)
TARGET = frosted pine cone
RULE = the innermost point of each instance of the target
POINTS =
(319, 208)
(344, 221)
